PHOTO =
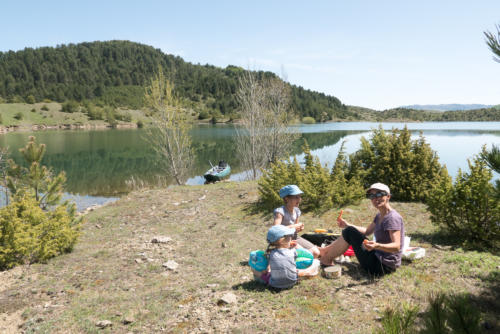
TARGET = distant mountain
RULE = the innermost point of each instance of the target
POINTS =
(447, 107)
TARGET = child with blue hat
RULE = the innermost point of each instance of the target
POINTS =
(288, 216)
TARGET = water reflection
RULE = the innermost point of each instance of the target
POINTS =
(98, 163)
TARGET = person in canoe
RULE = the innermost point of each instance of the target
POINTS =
(289, 214)
(376, 257)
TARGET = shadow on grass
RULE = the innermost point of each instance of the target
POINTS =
(256, 286)
(442, 238)
(256, 208)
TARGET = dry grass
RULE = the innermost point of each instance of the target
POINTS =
(115, 272)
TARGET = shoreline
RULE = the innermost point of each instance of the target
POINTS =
(43, 127)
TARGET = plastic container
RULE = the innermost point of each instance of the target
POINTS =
(413, 253)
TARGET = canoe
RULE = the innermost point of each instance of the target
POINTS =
(217, 173)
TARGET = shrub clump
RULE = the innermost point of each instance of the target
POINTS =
(468, 209)
(29, 234)
(308, 120)
(322, 189)
(409, 167)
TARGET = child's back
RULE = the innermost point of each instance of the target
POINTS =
(283, 268)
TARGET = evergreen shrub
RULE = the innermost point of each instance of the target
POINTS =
(410, 168)
(469, 208)
(45, 108)
(322, 189)
(29, 234)
(19, 116)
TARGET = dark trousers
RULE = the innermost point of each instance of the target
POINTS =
(367, 259)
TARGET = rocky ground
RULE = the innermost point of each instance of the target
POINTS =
(175, 260)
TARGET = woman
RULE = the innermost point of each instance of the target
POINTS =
(376, 257)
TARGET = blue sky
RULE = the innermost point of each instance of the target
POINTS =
(376, 54)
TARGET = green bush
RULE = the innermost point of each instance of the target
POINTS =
(29, 234)
(203, 114)
(111, 117)
(30, 99)
(399, 321)
(70, 107)
(308, 120)
(140, 124)
(45, 108)
(450, 314)
(468, 208)
(19, 116)
(94, 113)
(409, 167)
(322, 189)
(33, 110)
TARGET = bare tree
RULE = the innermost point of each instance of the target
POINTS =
(250, 137)
(280, 136)
(4, 157)
(169, 133)
(494, 42)
(264, 135)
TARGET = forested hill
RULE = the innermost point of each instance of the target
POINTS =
(115, 72)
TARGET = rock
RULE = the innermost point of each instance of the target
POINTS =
(227, 298)
(171, 265)
(104, 324)
(161, 240)
(128, 320)
(138, 260)
(223, 245)
(369, 294)
(243, 195)
(202, 198)
(214, 285)
(98, 226)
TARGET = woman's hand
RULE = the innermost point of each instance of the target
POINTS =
(370, 245)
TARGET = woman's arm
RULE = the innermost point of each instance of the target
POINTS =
(392, 247)
(364, 230)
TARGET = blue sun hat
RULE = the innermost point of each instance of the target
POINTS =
(277, 232)
(290, 189)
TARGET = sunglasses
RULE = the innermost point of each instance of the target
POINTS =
(376, 195)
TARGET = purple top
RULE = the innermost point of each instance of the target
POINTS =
(391, 222)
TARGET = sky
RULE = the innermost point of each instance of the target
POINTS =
(375, 54)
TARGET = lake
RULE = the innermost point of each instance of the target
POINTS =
(101, 165)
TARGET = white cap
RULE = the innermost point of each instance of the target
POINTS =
(379, 186)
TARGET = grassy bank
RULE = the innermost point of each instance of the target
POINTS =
(27, 116)
(115, 272)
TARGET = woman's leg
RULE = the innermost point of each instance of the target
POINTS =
(333, 250)
(367, 259)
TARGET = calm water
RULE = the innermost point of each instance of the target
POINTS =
(101, 164)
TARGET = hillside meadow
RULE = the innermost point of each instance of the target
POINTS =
(117, 280)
